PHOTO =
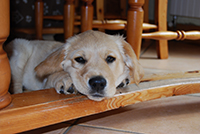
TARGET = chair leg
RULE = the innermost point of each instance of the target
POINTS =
(134, 25)
(146, 11)
(100, 12)
(39, 6)
(5, 74)
(86, 15)
(161, 18)
(68, 18)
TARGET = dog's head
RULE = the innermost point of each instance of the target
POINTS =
(96, 62)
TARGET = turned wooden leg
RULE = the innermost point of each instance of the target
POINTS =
(5, 74)
(161, 20)
(68, 18)
(86, 15)
(39, 7)
(100, 12)
(134, 25)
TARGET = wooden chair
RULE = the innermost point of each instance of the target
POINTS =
(87, 22)
(39, 30)
(67, 17)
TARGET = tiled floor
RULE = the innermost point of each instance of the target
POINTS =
(172, 115)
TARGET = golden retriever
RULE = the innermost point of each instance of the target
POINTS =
(92, 63)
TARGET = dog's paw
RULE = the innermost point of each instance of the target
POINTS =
(63, 89)
(124, 83)
(62, 83)
(121, 87)
(65, 86)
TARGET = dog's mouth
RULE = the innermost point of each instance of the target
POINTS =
(97, 95)
(93, 95)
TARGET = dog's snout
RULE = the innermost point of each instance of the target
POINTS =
(97, 83)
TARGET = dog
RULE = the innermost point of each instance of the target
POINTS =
(92, 63)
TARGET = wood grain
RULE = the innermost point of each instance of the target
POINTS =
(46, 107)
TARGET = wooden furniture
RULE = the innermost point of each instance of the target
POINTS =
(68, 19)
(5, 75)
(87, 21)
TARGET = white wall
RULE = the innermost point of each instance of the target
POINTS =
(180, 19)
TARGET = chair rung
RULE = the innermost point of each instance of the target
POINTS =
(118, 24)
(147, 26)
(59, 17)
(54, 17)
(52, 30)
(169, 35)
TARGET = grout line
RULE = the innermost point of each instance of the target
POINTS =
(110, 129)
(67, 130)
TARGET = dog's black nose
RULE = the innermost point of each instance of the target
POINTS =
(97, 83)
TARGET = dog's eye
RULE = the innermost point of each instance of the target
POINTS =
(80, 60)
(110, 59)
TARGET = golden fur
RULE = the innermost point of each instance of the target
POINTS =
(93, 63)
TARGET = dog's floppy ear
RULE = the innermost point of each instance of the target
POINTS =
(51, 64)
(136, 70)
(130, 60)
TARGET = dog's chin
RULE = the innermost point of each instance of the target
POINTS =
(96, 97)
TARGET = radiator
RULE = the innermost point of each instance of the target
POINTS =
(186, 8)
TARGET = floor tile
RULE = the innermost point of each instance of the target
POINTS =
(182, 57)
(172, 115)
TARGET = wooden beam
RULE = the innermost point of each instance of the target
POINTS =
(36, 109)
